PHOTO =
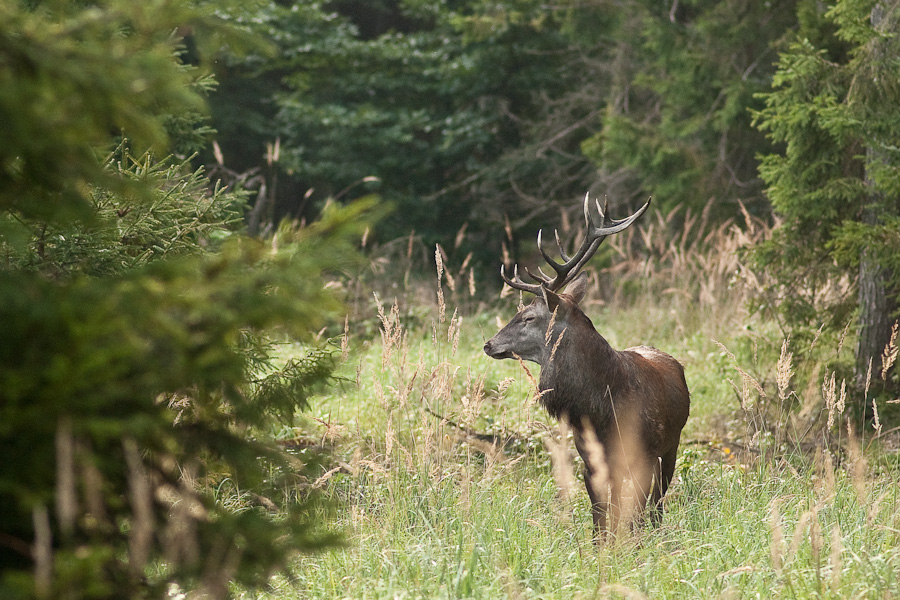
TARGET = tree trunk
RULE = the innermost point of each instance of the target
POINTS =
(877, 294)
(877, 306)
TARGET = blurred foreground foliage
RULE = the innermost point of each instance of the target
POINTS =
(127, 399)
(140, 400)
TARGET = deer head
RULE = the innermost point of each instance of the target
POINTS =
(532, 332)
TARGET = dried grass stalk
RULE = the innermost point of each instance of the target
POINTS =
(800, 532)
(389, 435)
(556, 344)
(777, 547)
(439, 262)
(747, 380)
(835, 402)
(140, 538)
(857, 464)
(596, 460)
(559, 458)
(868, 379)
(784, 370)
(837, 548)
(42, 552)
(889, 354)
(844, 335)
(550, 325)
(345, 340)
(453, 331)
(391, 331)
(66, 495)
(876, 420)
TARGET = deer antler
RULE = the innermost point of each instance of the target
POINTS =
(569, 268)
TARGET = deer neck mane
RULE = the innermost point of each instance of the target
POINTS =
(582, 364)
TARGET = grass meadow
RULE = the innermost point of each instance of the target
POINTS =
(448, 480)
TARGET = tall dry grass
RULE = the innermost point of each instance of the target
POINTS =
(451, 482)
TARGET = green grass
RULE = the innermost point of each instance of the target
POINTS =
(428, 512)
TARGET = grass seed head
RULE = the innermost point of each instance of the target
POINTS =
(776, 549)
(876, 420)
(556, 345)
(345, 340)
(784, 370)
(439, 262)
(889, 354)
(828, 393)
(837, 548)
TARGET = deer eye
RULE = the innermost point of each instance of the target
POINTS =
(528, 319)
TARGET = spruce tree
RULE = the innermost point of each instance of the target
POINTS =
(834, 109)
(138, 383)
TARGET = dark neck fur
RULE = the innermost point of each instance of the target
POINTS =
(572, 379)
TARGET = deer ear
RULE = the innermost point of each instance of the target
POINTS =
(578, 288)
(551, 299)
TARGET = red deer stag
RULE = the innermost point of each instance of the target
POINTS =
(634, 402)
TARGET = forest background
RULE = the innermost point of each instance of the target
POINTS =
(472, 118)
(194, 194)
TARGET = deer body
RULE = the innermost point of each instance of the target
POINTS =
(633, 402)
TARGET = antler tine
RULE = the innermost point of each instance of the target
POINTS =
(558, 267)
(611, 226)
(571, 265)
(541, 276)
(601, 210)
(587, 209)
(594, 236)
(559, 245)
(516, 282)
